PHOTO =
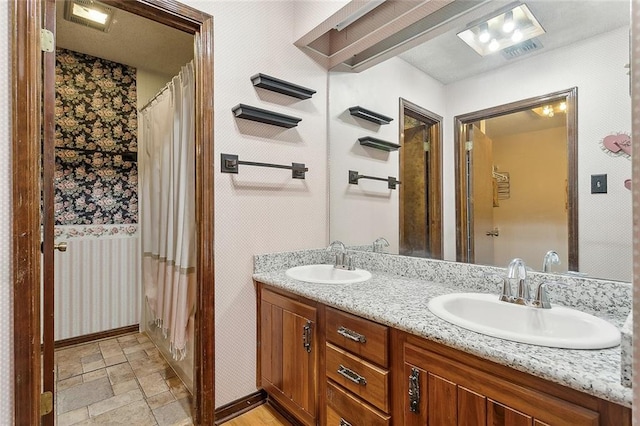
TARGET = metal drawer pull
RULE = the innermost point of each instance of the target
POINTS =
(306, 336)
(343, 422)
(351, 375)
(350, 334)
(414, 390)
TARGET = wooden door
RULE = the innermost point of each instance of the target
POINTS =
(481, 197)
(48, 246)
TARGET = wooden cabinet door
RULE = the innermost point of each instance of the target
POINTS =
(501, 415)
(298, 359)
(288, 354)
(444, 392)
(435, 401)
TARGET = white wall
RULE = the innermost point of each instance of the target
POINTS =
(260, 210)
(308, 14)
(361, 213)
(596, 67)
(6, 280)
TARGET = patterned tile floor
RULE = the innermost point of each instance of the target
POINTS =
(123, 380)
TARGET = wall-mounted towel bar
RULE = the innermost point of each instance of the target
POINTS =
(354, 177)
(229, 164)
(126, 155)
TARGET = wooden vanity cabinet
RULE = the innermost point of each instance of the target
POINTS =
(444, 387)
(313, 361)
(288, 353)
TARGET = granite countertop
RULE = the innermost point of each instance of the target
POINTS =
(401, 303)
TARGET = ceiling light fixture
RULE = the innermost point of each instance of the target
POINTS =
(508, 27)
(550, 110)
(89, 13)
(372, 4)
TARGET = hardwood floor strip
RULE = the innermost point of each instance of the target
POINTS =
(240, 406)
(265, 414)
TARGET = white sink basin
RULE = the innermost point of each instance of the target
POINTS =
(558, 327)
(327, 274)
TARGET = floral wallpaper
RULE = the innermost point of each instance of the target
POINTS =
(95, 110)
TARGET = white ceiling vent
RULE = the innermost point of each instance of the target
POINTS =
(89, 13)
(521, 49)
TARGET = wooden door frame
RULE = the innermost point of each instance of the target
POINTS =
(25, 121)
(460, 138)
(434, 203)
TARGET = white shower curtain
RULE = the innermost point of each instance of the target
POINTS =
(167, 173)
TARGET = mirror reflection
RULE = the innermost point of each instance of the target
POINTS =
(449, 79)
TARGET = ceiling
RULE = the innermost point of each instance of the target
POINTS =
(565, 22)
(131, 40)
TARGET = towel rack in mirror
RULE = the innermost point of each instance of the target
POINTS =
(354, 177)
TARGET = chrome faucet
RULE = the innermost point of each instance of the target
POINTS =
(380, 244)
(517, 270)
(550, 258)
(343, 260)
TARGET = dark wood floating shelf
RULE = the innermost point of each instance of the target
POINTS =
(264, 116)
(276, 85)
(358, 111)
(378, 144)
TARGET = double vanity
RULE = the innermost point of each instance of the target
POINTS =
(369, 346)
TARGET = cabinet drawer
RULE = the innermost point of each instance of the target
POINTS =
(360, 377)
(344, 409)
(365, 338)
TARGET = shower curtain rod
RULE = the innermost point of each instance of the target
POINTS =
(166, 86)
(161, 91)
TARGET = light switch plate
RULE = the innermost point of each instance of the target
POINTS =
(598, 184)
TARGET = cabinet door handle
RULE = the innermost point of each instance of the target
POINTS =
(351, 375)
(414, 390)
(343, 422)
(306, 336)
(353, 335)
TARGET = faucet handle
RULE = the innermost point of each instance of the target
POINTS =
(542, 299)
(506, 295)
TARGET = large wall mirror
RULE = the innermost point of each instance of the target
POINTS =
(583, 51)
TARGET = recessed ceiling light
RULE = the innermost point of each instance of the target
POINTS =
(89, 13)
(512, 25)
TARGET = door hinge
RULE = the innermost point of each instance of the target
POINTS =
(468, 146)
(46, 40)
(46, 403)
(427, 146)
